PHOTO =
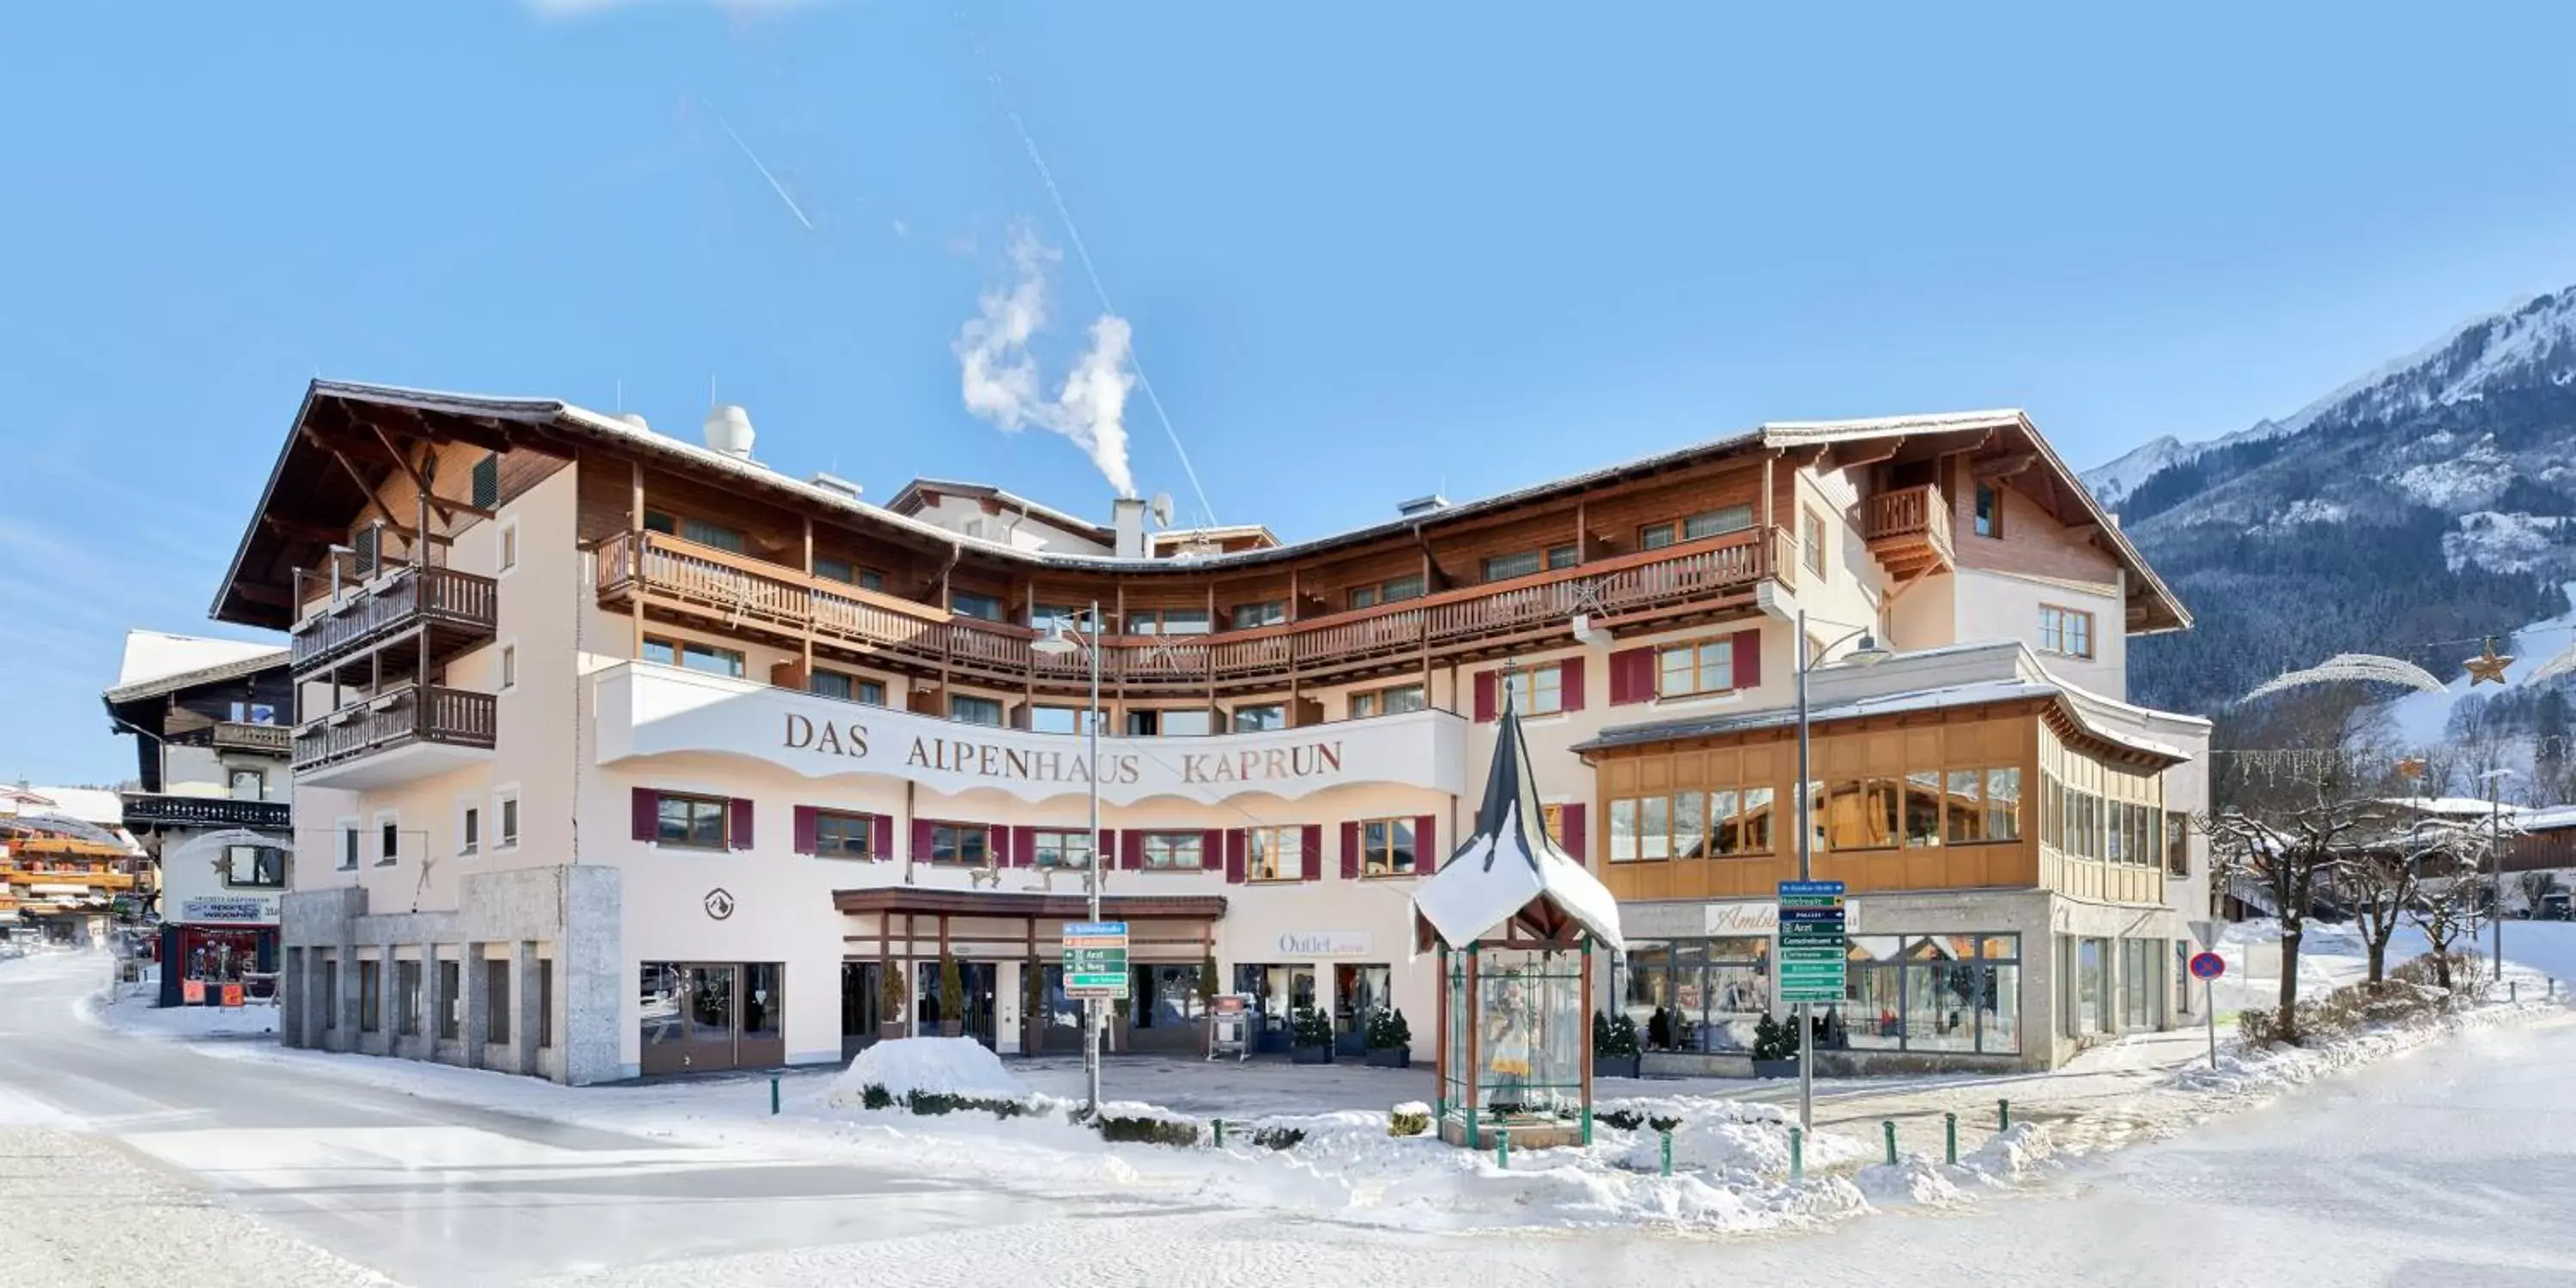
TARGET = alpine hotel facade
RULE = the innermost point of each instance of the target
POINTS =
(620, 754)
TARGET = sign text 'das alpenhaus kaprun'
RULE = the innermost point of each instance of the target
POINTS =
(1813, 945)
(1095, 959)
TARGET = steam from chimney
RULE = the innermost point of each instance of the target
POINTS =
(1000, 376)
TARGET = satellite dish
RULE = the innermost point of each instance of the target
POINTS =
(1162, 508)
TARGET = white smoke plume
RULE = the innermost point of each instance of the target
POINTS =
(1000, 376)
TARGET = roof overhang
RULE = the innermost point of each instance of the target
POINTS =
(1029, 904)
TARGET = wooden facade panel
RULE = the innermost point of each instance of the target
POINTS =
(2033, 543)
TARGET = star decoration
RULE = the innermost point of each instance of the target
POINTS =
(2487, 666)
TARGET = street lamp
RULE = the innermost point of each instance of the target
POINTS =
(2494, 779)
(1060, 642)
(1869, 653)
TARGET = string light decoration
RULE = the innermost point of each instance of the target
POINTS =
(2487, 665)
(2347, 667)
(2557, 666)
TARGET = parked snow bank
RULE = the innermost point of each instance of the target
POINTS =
(927, 1066)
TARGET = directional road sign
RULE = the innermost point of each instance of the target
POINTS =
(1813, 944)
(1095, 959)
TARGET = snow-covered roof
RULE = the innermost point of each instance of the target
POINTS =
(157, 663)
(2453, 806)
(2548, 820)
(1510, 869)
(1980, 693)
(93, 805)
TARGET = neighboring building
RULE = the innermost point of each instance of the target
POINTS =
(68, 869)
(639, 756)
(214, 804)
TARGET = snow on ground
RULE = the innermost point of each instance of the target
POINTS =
(2502, 542)
(946, 1066)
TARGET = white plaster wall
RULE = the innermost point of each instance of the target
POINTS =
(1994, 605)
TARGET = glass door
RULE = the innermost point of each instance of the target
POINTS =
(662, 1019)
(712, 1007)
(859, 995)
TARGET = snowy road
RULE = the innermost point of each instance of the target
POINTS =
(2455, 1166)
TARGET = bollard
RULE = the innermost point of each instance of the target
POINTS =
(2513, 990)
(1220, 1133)
(1950, 1130)
(2553, 988)
(1668, 1152)
(773, 1095)
(2003, 1114)
(1503, 1150)
(1797, 1155)
(1888, 1125)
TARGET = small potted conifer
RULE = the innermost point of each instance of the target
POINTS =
(1614, 1047)
(1775, 1048)
(892, 998)
(1390, 1040)
(952, 999)
(1310, 1037)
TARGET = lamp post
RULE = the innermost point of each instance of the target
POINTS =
(1057, 642)
(2495, 860)
(1868, 654)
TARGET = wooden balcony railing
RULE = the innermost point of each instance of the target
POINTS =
(742, 589)
(398, 717)
(149, 810)
(1908, 529)
(412, 596)
(95, 878)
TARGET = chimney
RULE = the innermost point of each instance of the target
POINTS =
(1127, 518)
(1421, 505)
(728, 430)
(831, 482)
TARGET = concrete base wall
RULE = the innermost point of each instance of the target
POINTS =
(563, 920)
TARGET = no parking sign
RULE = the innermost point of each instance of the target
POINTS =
(2207, 966)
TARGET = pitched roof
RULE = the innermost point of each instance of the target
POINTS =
(1510, 869)
(158, 663)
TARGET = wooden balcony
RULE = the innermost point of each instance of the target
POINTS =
(1711, 577)
(25, 877)
(457, 609)
(1908, 530)
(145, 811)
(405, 732)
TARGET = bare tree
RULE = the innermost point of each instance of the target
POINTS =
(2448, 909)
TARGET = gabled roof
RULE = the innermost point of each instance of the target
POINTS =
(918, 493)
(1510, 871)
(157, 663)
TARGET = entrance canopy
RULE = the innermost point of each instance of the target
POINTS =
(1510, 881)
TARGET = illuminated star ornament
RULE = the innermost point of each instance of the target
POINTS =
(2488, 665)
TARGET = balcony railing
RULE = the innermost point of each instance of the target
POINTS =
(398, 717)
(411, 596)
(746, 590)
(233, 736)
(94, 878)
(149, 810)
(1908, 527)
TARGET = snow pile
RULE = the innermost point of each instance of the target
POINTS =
(934, 1066)
(1728, 1137)
(2010, 1155)
(137, 1015)
(1913, 1178)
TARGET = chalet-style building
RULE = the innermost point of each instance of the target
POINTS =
(212, 723)
(638, 755)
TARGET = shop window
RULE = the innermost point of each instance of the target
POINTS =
(330, 996)
(450, 1001)
(839, 834)
(1702, 995)
(1705, 666)
(407, 998)
(1386, 847)
(1391, 701)
(496, 1000)
(1061, 849)
(1940, 993)
(966, 708)
(1174, 851)
(693, 822)
(1274, 854)
(371, 996)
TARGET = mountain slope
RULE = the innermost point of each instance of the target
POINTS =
(2430, 500)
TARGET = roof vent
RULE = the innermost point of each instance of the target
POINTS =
(636, 418)
(728, 430)
(831, 482)
(1422, 505)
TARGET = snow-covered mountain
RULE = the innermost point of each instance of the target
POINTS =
(2432, 498)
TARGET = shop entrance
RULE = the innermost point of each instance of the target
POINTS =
(1360, 990)
(1163, 1008)
(862, 987)
(1278, 993)
(698, 1016)
(978, 979)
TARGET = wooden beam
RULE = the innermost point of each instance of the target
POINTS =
(447, 509)
(2002, 467)
(368, 490)
(1865, 451)
(303, 531)
(259, 593)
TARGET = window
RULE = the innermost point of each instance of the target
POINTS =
(1254, 719)
(832, 569)
(248, 784)
(1990, 511)
(1386, 847)
(1537, 691)
(1170, 722)
(545, 1002)
(1167, 621)
(1931, 993)
(1564, 556)
(1274, 854)
(506, 804)
(330, 997)
(258, 867)
(371, 996)
(965, 845)
(1254, 616)
(509, 545)
(842, 835)
(1393, 701)
(2065, 631)
(509, 666)
(407, 998)
(388, 837)
(694, 822)
(971, 603)
(712, 534)
(1053, 849)
(496, 1000)
(1055, 719)
(1655, 536)
(1175, 851)
(449, 1001)
(1707, 523)
(1811, 539)
(1707, 666)
(970, 709)
(1651, 828)
(1506, 567)
(2177, 845)
(1861, 813)
(348, 843)
(848, 688)
(694, 656)
(260, 713)
(871, 579)
(1740, 821)
(469, 830)
(1392, 590)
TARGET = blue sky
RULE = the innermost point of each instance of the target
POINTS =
(1366, 251)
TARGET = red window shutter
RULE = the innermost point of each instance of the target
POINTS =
(804, 829)
(1426, 843)
(1131, 851)
(1312, 842)
(738, 831)
(647, 806)
(1024, 847)
(1234, 856)
(1484, 696)
(1350, 851)
(1212, 849)
(920, 840)
(881, 837)
(1569, 684)
(1632, 676)
(1748, 659)
(1577, 837)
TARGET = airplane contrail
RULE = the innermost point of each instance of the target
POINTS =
(754, 157)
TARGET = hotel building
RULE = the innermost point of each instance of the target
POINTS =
(637, 755)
